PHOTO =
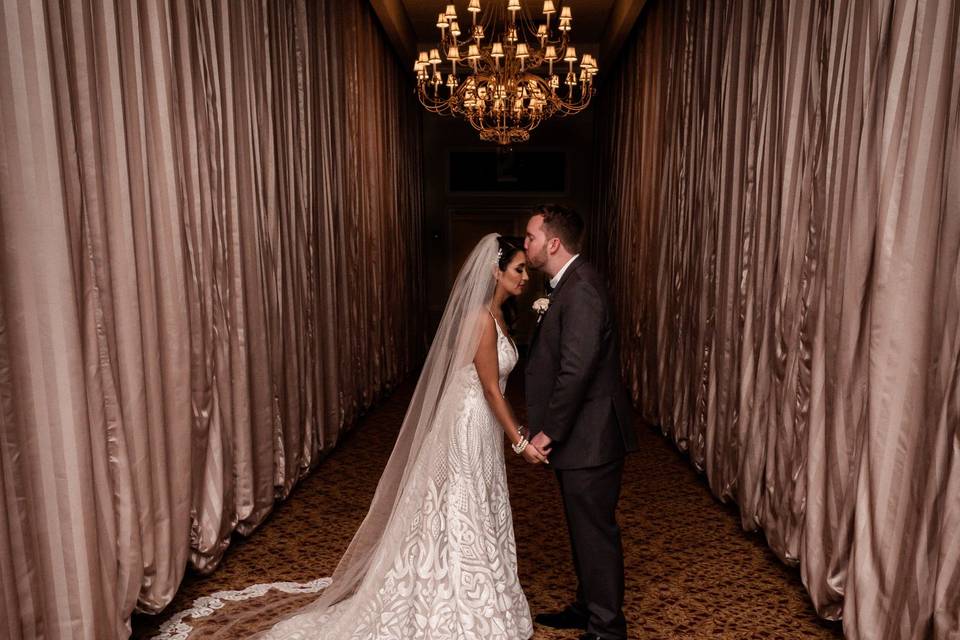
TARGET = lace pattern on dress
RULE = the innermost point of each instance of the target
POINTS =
(447, 567)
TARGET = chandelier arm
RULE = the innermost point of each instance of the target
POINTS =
(528, 23)
(493, 19)
(435, 106)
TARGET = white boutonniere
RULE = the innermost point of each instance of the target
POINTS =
(540, 305)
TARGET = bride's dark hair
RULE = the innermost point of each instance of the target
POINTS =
(509, 247)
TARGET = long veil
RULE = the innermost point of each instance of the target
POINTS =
(437, 391)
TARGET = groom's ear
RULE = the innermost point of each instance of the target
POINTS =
(553, 244)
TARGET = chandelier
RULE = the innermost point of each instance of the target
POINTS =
(502, 77)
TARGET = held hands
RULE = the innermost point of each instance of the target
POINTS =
(534, 451)
(542, 442)
(539, 448)
(533, 455)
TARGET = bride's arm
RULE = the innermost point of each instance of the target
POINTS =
(488, 369)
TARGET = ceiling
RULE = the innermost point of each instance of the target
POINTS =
(589, 16)
(599, 26)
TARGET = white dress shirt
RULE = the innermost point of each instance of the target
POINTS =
(555, 280)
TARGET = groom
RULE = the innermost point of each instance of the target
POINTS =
(580, 412)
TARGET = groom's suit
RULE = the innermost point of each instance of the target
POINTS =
(575, 395)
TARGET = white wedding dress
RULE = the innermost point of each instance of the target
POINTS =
(447, 565)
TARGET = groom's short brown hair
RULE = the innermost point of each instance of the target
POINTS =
(562, 222)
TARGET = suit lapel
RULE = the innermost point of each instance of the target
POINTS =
(566, 276)
(554, 297)
(536, 329)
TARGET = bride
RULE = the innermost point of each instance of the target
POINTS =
(435, 556)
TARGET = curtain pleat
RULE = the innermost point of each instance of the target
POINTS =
(209, 269)
(778, 196)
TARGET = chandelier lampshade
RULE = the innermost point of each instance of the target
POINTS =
(501, 76)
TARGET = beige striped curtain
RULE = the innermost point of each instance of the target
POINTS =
(779, 196)
(209, 265)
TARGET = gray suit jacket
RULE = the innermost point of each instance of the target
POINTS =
(574, 391)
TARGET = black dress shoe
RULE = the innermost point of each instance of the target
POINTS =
(566, 619)
(590, 636)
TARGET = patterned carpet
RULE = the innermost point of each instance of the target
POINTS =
(691, 571)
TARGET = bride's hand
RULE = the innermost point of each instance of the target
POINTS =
(533, 455)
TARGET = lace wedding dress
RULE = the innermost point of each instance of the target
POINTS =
(446, 567)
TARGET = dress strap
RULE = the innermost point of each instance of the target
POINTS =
(495, 321)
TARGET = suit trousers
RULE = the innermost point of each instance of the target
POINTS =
(590, 503)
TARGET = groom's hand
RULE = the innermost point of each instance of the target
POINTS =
(533, 455)
(542, 442)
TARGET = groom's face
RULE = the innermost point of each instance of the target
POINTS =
(536, 242)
